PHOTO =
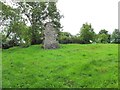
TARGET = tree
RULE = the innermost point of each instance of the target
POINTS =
(65, 37)
(103, 31)
(38, 14)
(9, 15)
(15, 31)
(34, 11)
(115, 38)
(52, 26)
(87, 33)
(103, 36)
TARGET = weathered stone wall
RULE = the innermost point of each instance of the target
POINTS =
(50, 36)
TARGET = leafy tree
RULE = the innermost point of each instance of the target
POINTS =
(65, 37)
(76, 39)
(34, 11)
(8, 16)
(19, 35)
(54, 15)
(103, 31)
(87, 33)
(103, 36)
(22, 34)
(38, 13)
(115, 36)
(14, 27)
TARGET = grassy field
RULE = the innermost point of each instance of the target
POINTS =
(71, 66)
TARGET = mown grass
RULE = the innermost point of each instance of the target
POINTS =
(71, 66)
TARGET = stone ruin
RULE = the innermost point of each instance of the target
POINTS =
(50, 36)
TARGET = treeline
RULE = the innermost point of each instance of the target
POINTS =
(16, 32)
(87, 36)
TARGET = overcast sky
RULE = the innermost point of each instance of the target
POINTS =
(102, 14)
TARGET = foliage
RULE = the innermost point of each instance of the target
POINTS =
(33, 12)
(103, 31)
(103, 36)
(8, 12)
(36, 14)
(87, 33)
(64, 37)
(54, 15)
(19, 35)
(115, 36)
(15, 31)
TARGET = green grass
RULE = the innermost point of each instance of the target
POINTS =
(71, 66)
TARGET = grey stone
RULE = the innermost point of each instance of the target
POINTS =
(50, 36)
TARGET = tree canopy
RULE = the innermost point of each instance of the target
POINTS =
(87, 33)
(36, 14)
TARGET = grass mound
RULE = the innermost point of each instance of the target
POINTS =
(72, 65)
